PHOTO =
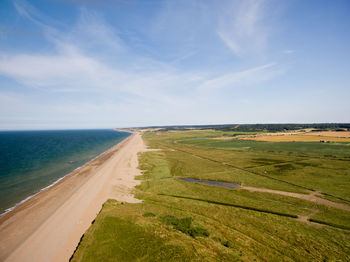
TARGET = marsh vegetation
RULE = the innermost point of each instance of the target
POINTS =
(182, 221)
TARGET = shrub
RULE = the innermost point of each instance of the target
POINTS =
(184, 225)
(149, 214)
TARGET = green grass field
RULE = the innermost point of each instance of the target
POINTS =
(184, 221)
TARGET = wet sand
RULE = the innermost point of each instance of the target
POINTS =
(48, 227)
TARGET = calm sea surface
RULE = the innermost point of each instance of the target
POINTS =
(32, 160)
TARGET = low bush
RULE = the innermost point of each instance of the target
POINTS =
(184, 225)
(149, 214)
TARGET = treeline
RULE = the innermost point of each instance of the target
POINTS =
(260, 127)
(285, 127)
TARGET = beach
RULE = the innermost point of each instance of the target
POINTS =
(49, 226)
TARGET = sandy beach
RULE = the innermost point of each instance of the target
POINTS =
(48, 227)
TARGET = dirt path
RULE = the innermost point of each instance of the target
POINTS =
(306, 218)
(312, 197)
(49, 226)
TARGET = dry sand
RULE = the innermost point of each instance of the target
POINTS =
(48, 227)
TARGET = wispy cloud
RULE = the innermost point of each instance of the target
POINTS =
(91, 28)
(244, 78)
(70, 66)
(242, 27)
(90, 57)
(29, 12)
(289, 51)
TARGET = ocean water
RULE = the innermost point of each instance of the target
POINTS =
(33, 160)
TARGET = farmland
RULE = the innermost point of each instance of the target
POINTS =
(307, 135)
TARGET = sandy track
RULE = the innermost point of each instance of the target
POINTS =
(312, 197)
(49, 226)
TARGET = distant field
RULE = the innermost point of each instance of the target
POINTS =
(317, 149)
(185, 221)
(326, 136)
(298, 138)
(330, 133)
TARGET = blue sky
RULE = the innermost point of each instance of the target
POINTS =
(119, 63)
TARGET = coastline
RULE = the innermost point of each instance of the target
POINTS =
(87, 187)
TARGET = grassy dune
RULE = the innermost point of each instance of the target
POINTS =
(184, 221)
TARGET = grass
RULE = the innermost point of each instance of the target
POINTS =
(184, 225)
(296, 163)
(299, 138)
(321, 150)
(184, 221)
(237, 206)
(121, 239)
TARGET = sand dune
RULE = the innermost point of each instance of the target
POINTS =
(49, 226)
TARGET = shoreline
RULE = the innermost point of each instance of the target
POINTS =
(8, 210)
(57, 216)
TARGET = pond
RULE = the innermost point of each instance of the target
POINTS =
(213, 183)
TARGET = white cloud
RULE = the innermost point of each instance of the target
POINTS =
(241, 26)
(289, 51)
(244, 78)
(92, 30)
(46, 71)
(127, 85)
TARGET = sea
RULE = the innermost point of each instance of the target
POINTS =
(32, 161)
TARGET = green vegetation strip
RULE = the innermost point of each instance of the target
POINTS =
(243, 169)
(328, 224)
(339, 198)
(259, 174)
(234, 205)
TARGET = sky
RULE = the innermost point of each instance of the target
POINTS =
(72, 64)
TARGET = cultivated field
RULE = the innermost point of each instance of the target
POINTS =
(308, 136)
(330, 133)
(292, 203)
